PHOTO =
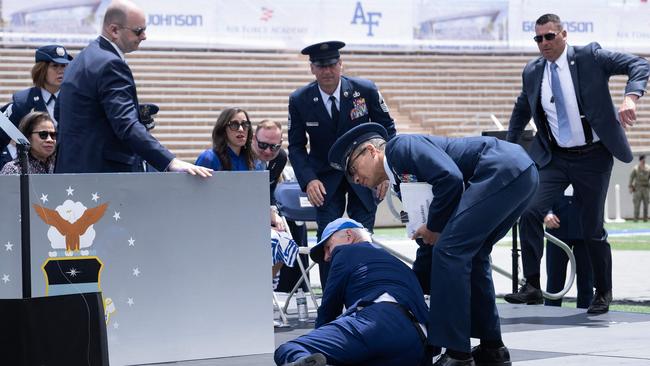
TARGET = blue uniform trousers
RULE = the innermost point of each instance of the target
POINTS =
(462, 291)
(378, 335)
(334, 209)
(589, 174)
(556, 261)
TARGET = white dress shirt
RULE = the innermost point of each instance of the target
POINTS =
(326, 98)
(570, 101)
(50, 106)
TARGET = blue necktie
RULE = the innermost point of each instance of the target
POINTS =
(562, 115)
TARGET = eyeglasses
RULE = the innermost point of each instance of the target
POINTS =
(137, 31)
(266, 145)
(43, 134)
(548, 36)
(235, 125)
(351, 169)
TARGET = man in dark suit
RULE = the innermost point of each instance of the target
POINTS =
(566, 92)
(99, 123)
(267, 145)
(480, 186)
(385, 318)
(564, 223)
(325, 109)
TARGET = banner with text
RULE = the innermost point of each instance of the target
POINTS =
(462, 25)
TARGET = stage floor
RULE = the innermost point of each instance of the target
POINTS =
(535, 335)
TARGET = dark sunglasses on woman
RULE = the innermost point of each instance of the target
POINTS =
(43, 134)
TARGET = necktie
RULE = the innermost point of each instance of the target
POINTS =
(52, 99)
(560, 107)
(334, 111)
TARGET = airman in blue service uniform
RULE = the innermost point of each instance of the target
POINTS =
(385, 319)
(323, 110)
(480, 187)
(47, 74)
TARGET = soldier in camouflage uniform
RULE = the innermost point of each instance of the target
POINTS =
(640, 188)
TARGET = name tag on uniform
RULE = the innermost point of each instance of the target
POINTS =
(312, 124)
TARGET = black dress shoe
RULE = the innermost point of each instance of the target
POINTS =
(484, 356)
(600, 303)
(317, 359)
(446, 360)
(526, 294)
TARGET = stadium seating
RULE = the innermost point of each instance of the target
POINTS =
(443, 94)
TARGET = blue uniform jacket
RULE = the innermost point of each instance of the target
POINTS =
(308, 116)
(362, 272)
(22, 103)
(591, 68)
(99, 123)
(451, 165)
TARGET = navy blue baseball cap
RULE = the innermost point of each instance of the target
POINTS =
(317, 253)
(339, 155)
(53, 53)
(324, 53)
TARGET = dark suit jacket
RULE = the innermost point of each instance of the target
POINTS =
(99, 123)
(22, 103)
(567, 209)
(275, 168)
(451, 165)
(591, 68)
(308, 116)
(360, 273)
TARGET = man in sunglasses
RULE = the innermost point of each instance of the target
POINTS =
(98, 111)
(319, 113)
(267, 145)
(566, 93)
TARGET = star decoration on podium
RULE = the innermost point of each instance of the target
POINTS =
(5, 278)
(70, 191)
(9, 247)
(43, 197)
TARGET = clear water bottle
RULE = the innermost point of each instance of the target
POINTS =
(301, 303)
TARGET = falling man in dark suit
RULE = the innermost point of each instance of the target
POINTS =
(100, 130)
(566, 93)
(385, 319)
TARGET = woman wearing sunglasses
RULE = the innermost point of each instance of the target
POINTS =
(231, 143)
(39, 130)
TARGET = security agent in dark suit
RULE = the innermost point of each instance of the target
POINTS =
(385, 317)
(566, 92)
(47, 75)
(99, 126)
(324, 110)
(563, 222)
(480, 186)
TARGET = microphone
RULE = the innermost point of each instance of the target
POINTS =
(552, 99)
